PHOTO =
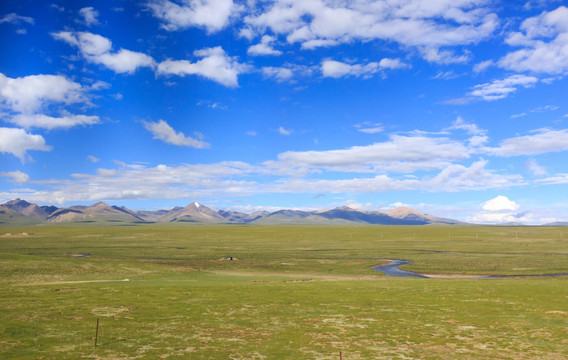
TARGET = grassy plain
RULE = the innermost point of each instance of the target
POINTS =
(291, 292)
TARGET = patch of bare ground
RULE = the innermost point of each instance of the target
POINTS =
(294, 276)
(72, 282)
(10, 235)
(450, 276)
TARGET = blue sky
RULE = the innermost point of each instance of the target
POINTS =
(455, 108)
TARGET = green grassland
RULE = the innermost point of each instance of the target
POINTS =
(291, 292)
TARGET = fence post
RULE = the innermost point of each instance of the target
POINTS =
(97, 333)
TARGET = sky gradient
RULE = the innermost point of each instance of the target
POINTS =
(455, 108)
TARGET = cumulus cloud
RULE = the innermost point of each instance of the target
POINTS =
(500, 203)
(336, 69)
(30, 93)
(501, 218)
(213, 15)
(265, 47)
(18, 142)
(17, 176)
(29, 96)
(500, 210)
(98, 50)
(215, 65)
(93, 159)
(500, 89)
(427, 26)
(89, 15)
(164, 132)
(543, 40)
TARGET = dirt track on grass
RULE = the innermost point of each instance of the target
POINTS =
(72, 282)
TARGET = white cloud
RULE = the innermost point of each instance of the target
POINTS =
(392, 64)
(226, 179)
(97, 49)
(532, 166)
(89, 15)
(457, 177)
(426, 25)
(501, 210)
(90, 45)
(353, 204)
(554, 180)
(379, 183)
(213, 15)
(29, 96)
(479, 136)
(283, 131)
(500, 203)
(48, 122)
(141, 182)
(17, 176)
(30, 93)
(400, 154)
(444, 57)
(544, 42)
(265, 47)
(539, 109)
(16, 19)
(500, 218)
(216, 65)
(56, 7)
(336, 69)
(500, 89)
(544, 141)
(369, 128)
(451, 179)
(18, 142)
(164, 132)
(482, 66)
(461, 124)
(93, 159)
(124, 61)
(280, 74)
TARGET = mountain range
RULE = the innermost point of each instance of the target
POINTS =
(22, 212)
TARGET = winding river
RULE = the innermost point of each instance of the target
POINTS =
(393, 270)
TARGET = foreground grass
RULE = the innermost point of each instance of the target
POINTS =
(292, 292)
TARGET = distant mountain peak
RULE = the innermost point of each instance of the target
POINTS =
(403, 212)
(18, 202)
(345, 208)
(199, 213)
(100, 204)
